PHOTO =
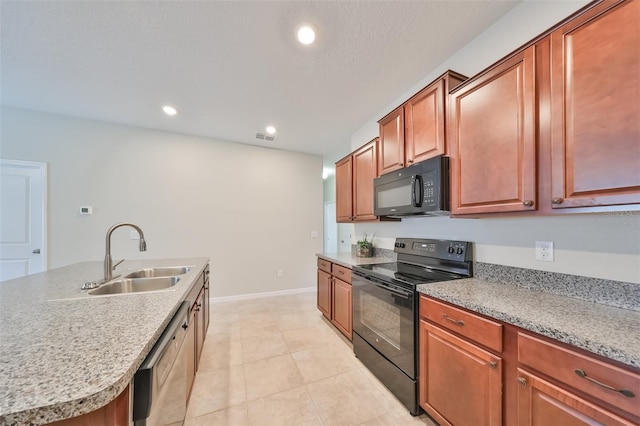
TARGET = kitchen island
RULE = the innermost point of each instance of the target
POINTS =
(63, 352)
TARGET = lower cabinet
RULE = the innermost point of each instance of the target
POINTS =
(334, 295)
(198, 324)
(541, 403)
(475, 370)
(460, 382)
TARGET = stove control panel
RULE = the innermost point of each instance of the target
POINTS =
(440, 249)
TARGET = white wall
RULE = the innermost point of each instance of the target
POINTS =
(597, 245)
(250, 209)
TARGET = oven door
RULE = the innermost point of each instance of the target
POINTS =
(384, 316)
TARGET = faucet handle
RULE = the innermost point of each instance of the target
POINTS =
(116, 264)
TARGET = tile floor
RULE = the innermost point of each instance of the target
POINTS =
(277, 361)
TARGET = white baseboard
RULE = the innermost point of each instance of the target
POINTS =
(261, 295)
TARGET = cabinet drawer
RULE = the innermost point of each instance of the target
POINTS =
(325, 265)
(561, 364)
(481, 330)
(341, 272)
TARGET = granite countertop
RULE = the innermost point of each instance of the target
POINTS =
(348, 260)
(604, 330)
(63, 352)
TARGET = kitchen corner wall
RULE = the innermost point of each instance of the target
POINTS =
(251, 210)
(594, 245)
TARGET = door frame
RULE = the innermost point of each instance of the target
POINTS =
(42, 169)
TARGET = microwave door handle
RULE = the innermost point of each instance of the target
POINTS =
(417, 188)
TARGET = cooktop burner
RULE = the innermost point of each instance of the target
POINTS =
(423, 261)
(408, 273)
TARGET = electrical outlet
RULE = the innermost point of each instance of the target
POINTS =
(544, 250)
(280, 273)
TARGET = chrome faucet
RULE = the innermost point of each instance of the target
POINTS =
(108, 263)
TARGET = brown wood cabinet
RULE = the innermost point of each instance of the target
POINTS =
(553, 127)
(324, 293)
(415, 131)
(580, 387)
(493, 140)
(595, 108)
(530, 379)
(540, 403)
(198, 324)
(354, 184)
(460, 383)
(335, 296)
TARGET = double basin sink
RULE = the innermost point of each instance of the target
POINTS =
(149, 279)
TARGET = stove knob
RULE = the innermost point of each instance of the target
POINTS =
(450, 249)
(403, 245)
(459, 250)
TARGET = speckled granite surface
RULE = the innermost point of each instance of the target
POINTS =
(604, 330)
(349, 260)
(614, 293)
(64, 353)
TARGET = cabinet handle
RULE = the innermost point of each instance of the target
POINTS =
(493, 364)
(522, 381)
(625, 392)
(456, 322)
(557, 200)
(528, 203)
(410, 161)
(341, 273)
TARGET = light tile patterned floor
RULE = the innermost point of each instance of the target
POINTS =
(277, 361)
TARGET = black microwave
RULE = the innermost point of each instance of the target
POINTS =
(420, 189)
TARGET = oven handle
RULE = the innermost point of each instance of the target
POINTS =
(386, 287)
(404, 294)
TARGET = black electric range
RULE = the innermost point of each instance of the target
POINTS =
(385, 308)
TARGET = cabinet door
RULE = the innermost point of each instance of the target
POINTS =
(541, 404)
(200, 326)
(344, 190)
(324, 293)
(595, 101)
(460, 384)
(424, 124)
(364, 171)
(342, 307)
(205, 303)
(190, 342)
(391, 155)
(493, 140)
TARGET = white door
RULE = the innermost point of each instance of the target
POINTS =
(22, 218)
(330, 228)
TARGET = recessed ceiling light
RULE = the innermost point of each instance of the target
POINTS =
(271, 130)
(306, 33)
(169, 110)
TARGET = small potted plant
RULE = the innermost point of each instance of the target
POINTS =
(364, 247)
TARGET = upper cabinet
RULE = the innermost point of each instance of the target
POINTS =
(595, 108)
(415, 131)
(553, 127)
(492, 140)
(354, 184)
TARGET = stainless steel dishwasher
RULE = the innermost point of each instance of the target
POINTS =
(160, 384)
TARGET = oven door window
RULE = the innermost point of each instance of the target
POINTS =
(384, 318)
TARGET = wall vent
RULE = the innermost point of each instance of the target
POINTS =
(264, 136)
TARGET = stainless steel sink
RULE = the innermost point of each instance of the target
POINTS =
(159, 272)
(135, 285)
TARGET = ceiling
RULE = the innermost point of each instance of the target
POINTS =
(231, 67)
